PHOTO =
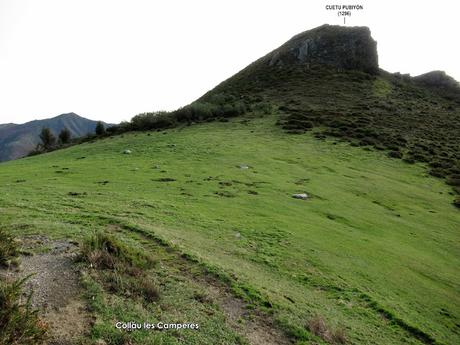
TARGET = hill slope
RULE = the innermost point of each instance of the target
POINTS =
(386, 274)
(18, 140)
(328, 78)
(199, 224)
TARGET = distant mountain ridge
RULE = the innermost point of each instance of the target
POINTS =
(17, 141)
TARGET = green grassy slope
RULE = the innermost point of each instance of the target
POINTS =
(384, 111)
(374, 250)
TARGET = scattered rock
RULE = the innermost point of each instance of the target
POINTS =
(127, 152)
(302, 196)
(243, 166)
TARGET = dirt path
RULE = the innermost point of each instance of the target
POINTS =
(256, 328)
(57, 293)
(54, 281)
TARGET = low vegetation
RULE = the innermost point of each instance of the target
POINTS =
(379, 276)
(386, 111)
(49, 142)
(318, 326)
(9, 250)
(219, 107)
(123, 269)
(19, 322)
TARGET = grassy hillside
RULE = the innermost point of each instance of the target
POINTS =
(372, 253)
(385, 111)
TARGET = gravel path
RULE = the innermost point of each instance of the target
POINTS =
(54, 283)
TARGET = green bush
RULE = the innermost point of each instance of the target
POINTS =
(457, 202)
(8, 249)
(149, 121)
(395, 154)
(19, 323)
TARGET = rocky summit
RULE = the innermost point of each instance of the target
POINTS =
(350, 48)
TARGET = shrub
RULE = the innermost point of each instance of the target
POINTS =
(457, 202)
(395, 154)
(8, 249)
(202, 111)
(19, 323)
(453, 181)
(149, 121)
(184, 114)
(436, 172)
(264, 108)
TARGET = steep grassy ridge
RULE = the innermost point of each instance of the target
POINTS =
(374, 251)
(384, 111)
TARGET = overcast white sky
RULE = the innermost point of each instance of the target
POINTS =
(112, 59)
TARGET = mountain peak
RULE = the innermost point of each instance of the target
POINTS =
(329, 45)
(18, 140)
(437, 78)
(68, 115)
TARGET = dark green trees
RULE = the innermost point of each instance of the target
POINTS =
(47, 138)
(100, 128)
(64, 136)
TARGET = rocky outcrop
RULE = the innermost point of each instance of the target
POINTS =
(437, 79)
(329, 45)
(440, 83)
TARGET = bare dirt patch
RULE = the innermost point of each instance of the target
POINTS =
(54, 283)
(257, 329)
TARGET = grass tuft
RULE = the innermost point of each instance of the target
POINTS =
(318, 326)
(8, 249)
(123, 268)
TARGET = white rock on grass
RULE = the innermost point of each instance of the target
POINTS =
(127, 152)
(301, 196)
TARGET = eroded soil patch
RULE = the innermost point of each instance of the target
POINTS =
(54, 284)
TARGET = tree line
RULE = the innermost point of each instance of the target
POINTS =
(49, 142)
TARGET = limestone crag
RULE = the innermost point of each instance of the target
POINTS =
(329, 45)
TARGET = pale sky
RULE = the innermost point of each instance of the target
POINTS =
(112, 59)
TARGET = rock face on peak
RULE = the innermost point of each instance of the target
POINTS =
(341, 47)
(436, 78)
